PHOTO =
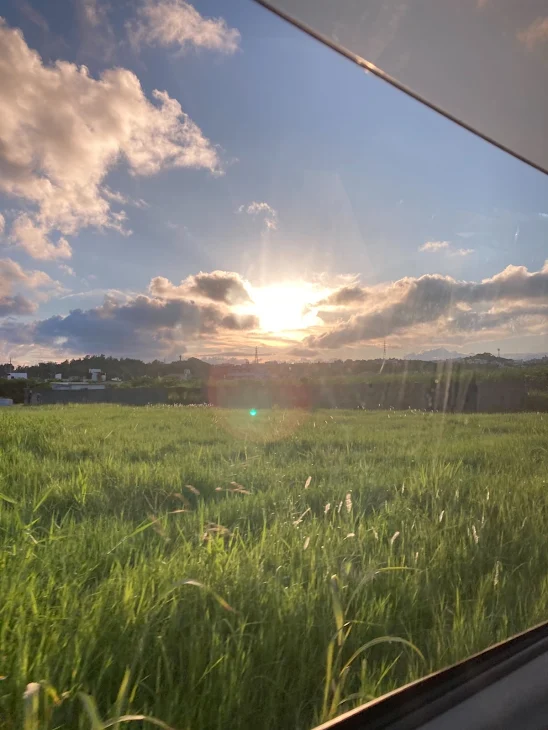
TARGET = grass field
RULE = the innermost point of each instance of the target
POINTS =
(223, 606)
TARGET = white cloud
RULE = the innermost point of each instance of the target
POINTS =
(410, 305)
(12, 276)
(33, 239)
(435, 246)
(270, 216)
(462, 252)
(66, 269)
(117, 197)
(2, 224)
(177, 23)
(12, 273)
(93, 12)
(61, 131)
(534, 34)
(114, 196)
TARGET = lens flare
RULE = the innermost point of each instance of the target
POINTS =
(253, 412)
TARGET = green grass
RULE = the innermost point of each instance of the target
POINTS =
(220, 609)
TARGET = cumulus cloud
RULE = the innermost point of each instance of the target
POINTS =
(33, 239)
(66, 269)
(240, 321)
(269, 215)
(13, 275)
(462, 252)
(177, 24)
(142, 326)
(411, 302)
(344, 296)
(18, 304)
(534, 34)
(227, 287)
(61, 131)
(330, 316)
(464, 320)
(435, 246)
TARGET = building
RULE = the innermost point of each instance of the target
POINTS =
(96, 375)
(17, 376)
(6, 402)
(60, 385)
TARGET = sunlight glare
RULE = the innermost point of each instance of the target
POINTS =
(283, 308)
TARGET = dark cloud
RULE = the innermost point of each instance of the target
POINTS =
(225, 287)
(221, 286)
(16, 305)
(410, 302)
(240, 322)
(149, 313)
(143, 326)
(300, 351)
(330, 316)
(345, 295)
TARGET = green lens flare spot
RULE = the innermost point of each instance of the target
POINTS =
(253, 412)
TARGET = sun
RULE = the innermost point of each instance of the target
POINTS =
(284, 307)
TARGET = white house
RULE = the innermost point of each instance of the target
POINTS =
(17, 376)
(96, 375)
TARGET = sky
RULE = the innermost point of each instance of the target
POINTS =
(201, 180)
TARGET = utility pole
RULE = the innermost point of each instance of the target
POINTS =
(256, 356)
(384, 349)
(498, 350)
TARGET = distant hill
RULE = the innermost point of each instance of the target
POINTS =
(441, 353)
(487, 358)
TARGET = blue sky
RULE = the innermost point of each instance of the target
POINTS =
(356, 176)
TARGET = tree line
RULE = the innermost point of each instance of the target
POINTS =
(124, 368)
